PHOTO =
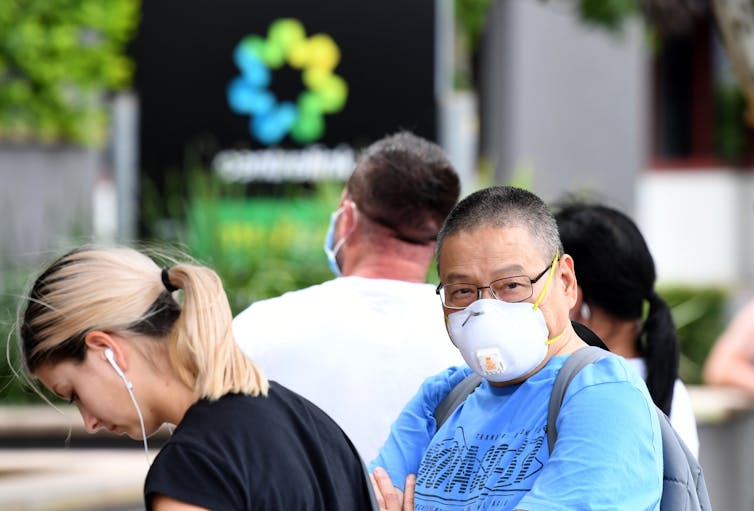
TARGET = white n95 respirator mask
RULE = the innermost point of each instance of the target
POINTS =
(500, 341)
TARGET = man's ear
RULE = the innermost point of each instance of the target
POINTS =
(98, 341)
(568, 278)
(350, 217)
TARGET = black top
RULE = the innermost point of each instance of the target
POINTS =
(588, 336)
(275, 453)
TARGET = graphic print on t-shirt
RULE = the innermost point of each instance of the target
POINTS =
(488, 470)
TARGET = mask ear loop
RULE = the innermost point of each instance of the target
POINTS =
(542, 295)
(342, 240)
(547, 282)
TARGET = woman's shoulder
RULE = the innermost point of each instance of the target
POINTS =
(209, 413)
(240, 419)
(232, 410)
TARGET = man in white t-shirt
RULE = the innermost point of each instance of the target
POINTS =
(360, 345)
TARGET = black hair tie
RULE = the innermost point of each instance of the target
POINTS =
(166, 281)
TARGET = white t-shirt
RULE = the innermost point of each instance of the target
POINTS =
(358, 348)
(681, 412)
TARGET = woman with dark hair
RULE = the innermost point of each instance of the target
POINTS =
(618, 301)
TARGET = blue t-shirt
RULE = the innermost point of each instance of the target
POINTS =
(492, 451)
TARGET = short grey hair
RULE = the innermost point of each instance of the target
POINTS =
(504, 206)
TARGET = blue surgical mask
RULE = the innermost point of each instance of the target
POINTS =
(331, 251)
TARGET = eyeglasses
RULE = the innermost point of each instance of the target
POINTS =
(509, 289)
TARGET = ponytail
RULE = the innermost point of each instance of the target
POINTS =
(659, 347)
(201, 346)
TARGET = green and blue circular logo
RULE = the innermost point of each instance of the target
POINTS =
(324, 93)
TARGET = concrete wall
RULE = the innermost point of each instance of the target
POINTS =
(565, 104)
(699, 226)
(45, 199)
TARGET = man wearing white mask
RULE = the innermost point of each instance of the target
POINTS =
(506, 289)
(359, 345)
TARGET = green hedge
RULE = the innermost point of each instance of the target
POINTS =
(261, 246)
(12, 284)
(700, 317)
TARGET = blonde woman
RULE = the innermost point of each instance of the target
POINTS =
(103, 329)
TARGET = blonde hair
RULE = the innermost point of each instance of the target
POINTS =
(121, 290)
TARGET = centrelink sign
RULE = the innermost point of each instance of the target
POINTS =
(303, 120)
(323, 92)
(281, 90)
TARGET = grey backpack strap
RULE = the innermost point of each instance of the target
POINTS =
(455, 397)
(571, 367)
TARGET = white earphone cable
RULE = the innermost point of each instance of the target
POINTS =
(141, 422)
(110, 357)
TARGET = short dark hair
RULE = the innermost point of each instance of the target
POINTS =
(407, 184)
(503, 206)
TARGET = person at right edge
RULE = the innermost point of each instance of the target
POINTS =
(616, 298)
(506, 290)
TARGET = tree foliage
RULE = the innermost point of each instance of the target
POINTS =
(58, 58)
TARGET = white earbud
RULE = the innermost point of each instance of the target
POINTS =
(585, 311)
(110, 356)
